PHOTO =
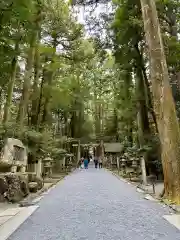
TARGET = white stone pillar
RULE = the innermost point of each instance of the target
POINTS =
(143, 170)
(64, 161)
(39, 168)
(117, 158)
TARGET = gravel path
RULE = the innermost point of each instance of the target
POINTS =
(94, 205)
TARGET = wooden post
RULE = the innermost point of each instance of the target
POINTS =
(79, 152)
(111, 160)
(117, 163)
(102, 150)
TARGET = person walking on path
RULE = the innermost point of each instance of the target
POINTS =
(100, 162)
(86, 162)
(96, 162)
(81, 163)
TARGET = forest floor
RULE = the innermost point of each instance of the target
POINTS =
(94, 204)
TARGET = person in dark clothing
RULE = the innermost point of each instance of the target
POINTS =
(100, 163)
(96, 162)
(81, 161)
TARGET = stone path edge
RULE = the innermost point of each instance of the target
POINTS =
(43, 191)
(173, 207)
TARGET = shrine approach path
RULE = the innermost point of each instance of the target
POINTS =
(95, 205)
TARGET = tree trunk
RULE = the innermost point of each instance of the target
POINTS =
(129, 121)
(172, 23)
(115, 124)
(36, 24)
(46, 111)
(141, 142)
(27, 82)
(12, 79)
(147, 93)
(66, 131)
(97, 119)
(1, 103)
(37, 73)
(78, 152)
(73, 124)
(49, 78)
(142, 107)
(168, 127)
(142, 120)
(39, 104)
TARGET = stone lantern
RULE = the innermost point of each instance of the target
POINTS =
(134, 163)
(48, 166)
(123, 164)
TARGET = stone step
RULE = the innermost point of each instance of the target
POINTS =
(10, 225)
(10, 212)
(4, 219)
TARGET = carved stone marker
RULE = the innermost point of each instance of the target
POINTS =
(14, 155)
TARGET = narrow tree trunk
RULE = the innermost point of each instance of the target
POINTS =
(29, 65)
(141, 142)
(1, 103)
(66, 124)
(73, 124)
(149, 104)
(140, 64)
(102, 150)
(142, 107)
(27, 82)
(78, 152)
(102, 119)
(168, 126)
(46, 110)
(142, 120)
(40, 99)
(130, 134)
(172, 23)
(129, 122)
(116, 125)
(35, 98)
(97, 118)
(49, 79)
(12, 79)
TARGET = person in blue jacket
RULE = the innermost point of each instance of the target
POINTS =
(86, 162)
